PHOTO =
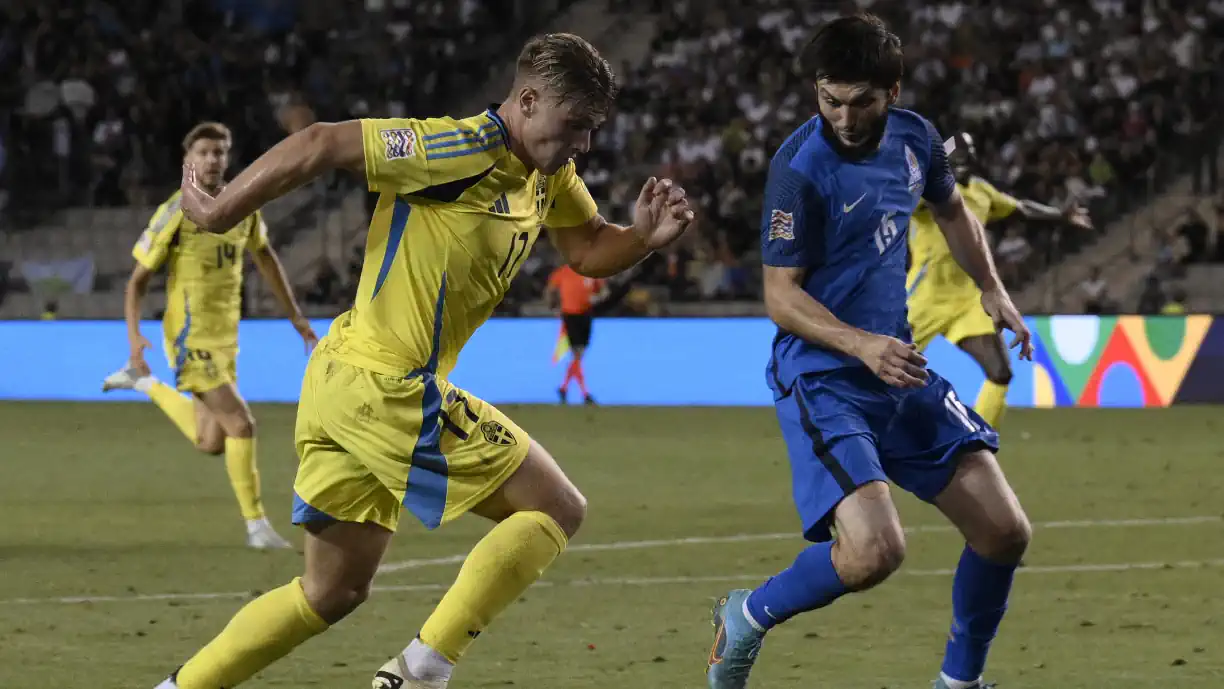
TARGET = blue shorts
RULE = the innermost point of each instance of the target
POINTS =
(846, 427)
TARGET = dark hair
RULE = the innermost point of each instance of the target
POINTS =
(855, 48)
(212, 131)
(571, 69)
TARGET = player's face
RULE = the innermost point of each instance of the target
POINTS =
(210, 157)
(554, 132)
(856, 111)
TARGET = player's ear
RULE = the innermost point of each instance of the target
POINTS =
(894, 93)
(528, 98)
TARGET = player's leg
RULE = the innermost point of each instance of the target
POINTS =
(836, 478)
(942, 452)
(537, 509)
(349, 515)
(974, 332)
(173, 404)
(210, 437)
(341, 560)
(990, 352)
(578, 330)
(981, 504)
(237, 422)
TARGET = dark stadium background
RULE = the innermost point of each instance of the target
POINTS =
(116, 554)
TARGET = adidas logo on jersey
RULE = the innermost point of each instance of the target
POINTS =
(501, 205)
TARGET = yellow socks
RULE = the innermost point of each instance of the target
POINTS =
(992, 402)
(264, 631)
(179, 408)
(244, 477)
(498, 570)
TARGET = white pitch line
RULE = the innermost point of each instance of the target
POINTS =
(624, 581)
(748, 538)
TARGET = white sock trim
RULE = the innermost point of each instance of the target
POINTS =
(144, 384)
(752, 620)
(960, 683)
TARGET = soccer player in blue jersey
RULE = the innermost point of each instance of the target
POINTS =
(855, 401)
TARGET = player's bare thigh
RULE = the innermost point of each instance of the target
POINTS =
(210, 437)
(870, 541)
(984, 508)
(229, 410)
(990, 352)
(538, 485)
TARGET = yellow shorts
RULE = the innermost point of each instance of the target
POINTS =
(201, 370)
(955, 318)
(369, 443)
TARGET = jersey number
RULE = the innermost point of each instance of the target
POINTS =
(954, 405)
(886, 232)
(518, 246)
(226, 253)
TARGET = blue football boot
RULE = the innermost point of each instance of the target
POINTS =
(736, 643)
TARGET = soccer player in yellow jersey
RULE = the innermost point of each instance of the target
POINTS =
(943, 300)
(203, 303)
(380, 429)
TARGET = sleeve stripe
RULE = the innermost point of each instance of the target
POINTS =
(456, 132)
(467, 138)
(480, 148)
(159, 221)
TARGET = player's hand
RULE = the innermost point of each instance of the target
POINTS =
(1006, 316)
(1078, 217)
(894, 362)
(136, 360)
(197, 205)
(308, 334)
(662, 213)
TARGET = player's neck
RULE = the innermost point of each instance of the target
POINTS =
(509, 116)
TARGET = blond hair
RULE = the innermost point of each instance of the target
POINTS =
(571, 69)
(214, 131)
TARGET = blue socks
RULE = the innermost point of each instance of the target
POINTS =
(810, 583)
(979, 599)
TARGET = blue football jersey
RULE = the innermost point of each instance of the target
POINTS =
(844, 222)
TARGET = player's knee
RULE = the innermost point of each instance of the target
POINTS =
(214, 445)
(333, 599)
(869, 563)
(569, 510)
(241, 425)
(1008, 541)
(1000, 373)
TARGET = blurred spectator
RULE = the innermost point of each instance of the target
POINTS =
(1152, 298)
(1176, 304)
(1096, 295)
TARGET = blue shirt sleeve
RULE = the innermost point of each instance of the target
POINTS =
(792, 223)
(940, 182)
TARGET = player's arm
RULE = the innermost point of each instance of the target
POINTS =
(1003, 205)
(966, 238)
(391, 152)
(150, 254)
(596, 248)
(297, 159)
(273, 272)
(792, 240)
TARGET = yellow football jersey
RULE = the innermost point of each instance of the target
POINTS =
(204, 274)
(457, 214)
(931, 258)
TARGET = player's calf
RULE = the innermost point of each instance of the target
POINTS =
(867, 563)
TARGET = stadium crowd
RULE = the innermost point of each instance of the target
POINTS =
(1093, 103)
(105, 91)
